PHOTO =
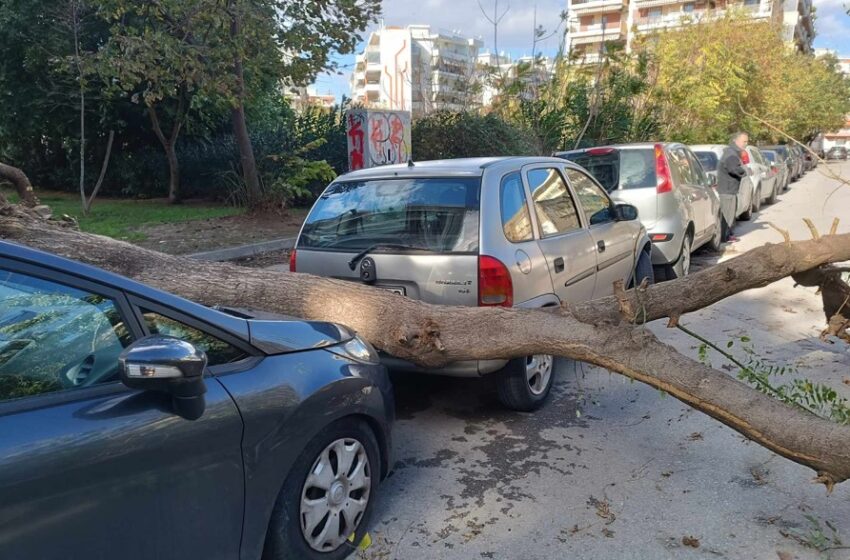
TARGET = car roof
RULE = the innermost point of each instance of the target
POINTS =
(707, 147)
(469, 167)
(632, 146)
(71, 267)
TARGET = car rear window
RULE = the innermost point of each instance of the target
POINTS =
(624, 169)
(708, 160)
(769, 155)
(432, 214)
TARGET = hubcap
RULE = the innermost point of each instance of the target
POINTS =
(335, 495)
(538, 371)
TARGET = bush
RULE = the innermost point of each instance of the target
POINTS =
(446, 134)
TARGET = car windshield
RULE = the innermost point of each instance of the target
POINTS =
(432, 214)
(624, 169)
(708, 160)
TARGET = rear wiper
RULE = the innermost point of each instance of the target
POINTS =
(352, 264)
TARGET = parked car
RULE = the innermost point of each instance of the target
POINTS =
(674, 196)
(525, 232)
(801, 157)
(709, 156)
(778, 167)
(138, 425)
(791, 162)
(837, 153)
(765, 178)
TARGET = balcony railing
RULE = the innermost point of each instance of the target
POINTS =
(586, 6)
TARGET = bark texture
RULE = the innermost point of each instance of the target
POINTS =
(21, 183)
(601, 332)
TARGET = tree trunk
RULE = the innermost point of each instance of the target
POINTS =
(104, 166)
(240, 127)
(21, 183)
(600, 332)
(169, 144)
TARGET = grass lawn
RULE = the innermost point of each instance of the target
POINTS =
(119, 217)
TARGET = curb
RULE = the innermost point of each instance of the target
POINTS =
(241, 251)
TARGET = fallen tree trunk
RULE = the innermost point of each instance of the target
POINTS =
(599, 332)
(21, 183)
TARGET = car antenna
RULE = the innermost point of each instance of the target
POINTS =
(410, 162)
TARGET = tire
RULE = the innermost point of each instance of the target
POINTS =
(682, 266)
(756, 205)
(285, 538)
(521, 389)
(716, 242)
(643, 269)
(772, 199)
(748, 215)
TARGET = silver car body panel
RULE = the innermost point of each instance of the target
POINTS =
(452, 279)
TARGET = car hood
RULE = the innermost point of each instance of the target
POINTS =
(280, 334)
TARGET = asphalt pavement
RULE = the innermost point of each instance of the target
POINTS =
(614, 469)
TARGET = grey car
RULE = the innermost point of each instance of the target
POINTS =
(673, 194)
(136, 425)
(528, 232)
(778, 167)
(709, 156)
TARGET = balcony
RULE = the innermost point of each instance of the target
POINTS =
(597, 33)
(596, 6)
(654, 3)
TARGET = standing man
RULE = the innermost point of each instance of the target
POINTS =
(730, 171)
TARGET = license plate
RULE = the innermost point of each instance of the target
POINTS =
(396, 290)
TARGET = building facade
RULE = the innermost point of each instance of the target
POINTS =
(415, 69)
(593, 25)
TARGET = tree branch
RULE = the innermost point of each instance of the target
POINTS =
(433, 335)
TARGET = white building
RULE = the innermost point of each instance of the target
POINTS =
(415, 69)
(595, 23)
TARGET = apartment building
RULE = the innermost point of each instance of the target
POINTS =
(415, 68)
(492, 67)
(595, 25)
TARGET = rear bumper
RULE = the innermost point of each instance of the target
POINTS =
(470, 368)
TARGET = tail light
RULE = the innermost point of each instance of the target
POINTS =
(745, 157)
(494, 283)
(773, 170)
(662, 171)
(599, 151)
(292, 259)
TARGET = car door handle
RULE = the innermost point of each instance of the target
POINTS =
(559, 265)
(601, 246)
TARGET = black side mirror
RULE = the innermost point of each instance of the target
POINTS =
(625, 212)
(168, 365)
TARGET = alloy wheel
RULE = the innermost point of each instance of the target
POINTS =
(538, 370)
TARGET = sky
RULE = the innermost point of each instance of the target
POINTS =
(515, 30)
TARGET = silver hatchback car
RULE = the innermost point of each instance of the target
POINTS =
(517, 231)
(667, 183)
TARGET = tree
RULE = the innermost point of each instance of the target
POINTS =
(607, 332)
(164, 54)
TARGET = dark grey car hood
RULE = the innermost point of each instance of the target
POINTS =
(279, 334)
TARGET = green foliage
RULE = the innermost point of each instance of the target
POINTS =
(817, 398)
(819, 537)
(445, 134)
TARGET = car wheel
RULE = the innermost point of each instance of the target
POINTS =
(716, 242)
(327, 496)
(643, 270)
(525, 383)
(682, 266)
(772, 199)
(756, 200)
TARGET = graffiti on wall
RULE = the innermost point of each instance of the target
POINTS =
(356, 132)
(388, 134)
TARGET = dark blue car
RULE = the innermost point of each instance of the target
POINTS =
(137, 425)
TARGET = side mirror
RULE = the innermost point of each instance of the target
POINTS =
(625, 212)
(168, 365)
